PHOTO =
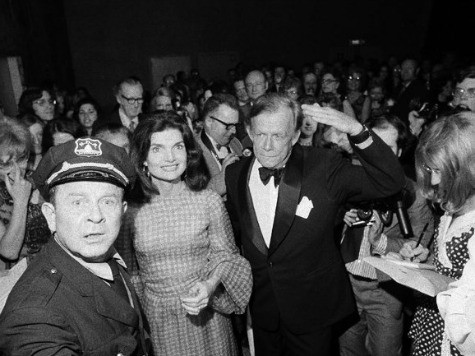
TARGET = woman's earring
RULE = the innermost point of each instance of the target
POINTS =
(146, 171)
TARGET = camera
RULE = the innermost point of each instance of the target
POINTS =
(396, 204)
(425, 110)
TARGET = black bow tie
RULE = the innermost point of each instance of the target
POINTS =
(266, 173)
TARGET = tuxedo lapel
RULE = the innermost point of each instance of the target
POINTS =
(247, 212)
(289, 195)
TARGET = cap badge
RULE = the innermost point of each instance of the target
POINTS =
(88, 147)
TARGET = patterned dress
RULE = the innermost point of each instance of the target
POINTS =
(179, 240)
(37, 232)
(451, 255)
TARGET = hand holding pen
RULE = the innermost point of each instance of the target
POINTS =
(413, 251)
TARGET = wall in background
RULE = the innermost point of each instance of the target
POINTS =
(111, 39)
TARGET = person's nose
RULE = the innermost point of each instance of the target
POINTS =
(95, 213)
(170, 156)
(232, 130)
(268, 144)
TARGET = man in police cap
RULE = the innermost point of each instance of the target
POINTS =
(76, 297)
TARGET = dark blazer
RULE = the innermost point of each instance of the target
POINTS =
(415, 90)
(300, 280)
(58, 307)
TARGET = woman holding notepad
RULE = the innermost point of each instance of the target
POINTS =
(445, 163)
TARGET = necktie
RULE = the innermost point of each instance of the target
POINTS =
(266, 173)
(118, 285)
(132, 126)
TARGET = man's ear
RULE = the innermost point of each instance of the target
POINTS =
(117, 98)
(296, 137)
(49, 213)
(248, 130)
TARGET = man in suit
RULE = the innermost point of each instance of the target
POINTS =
(76, 297)
(220, 147)
(283, 205)
(411, 88)
(129, 96)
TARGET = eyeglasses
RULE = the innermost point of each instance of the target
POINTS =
(43, 102)
(132, 101)
(329, 81)
(429, 169)
(353, 77)
(225, 124)
(459, 93)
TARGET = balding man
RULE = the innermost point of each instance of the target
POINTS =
(256, 84)
(220, 147)
(129, 96)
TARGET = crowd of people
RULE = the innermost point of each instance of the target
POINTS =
(234, 217)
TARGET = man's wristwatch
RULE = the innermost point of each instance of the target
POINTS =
(361, 137)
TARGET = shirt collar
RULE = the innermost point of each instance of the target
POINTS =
(125, 119)
(100, 269)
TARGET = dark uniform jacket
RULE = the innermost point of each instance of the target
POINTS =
(58, 307)
(300, 280)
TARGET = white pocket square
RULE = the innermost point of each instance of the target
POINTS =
(304, 208)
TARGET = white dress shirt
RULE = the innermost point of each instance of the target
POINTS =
(264, 199)
(126, 121)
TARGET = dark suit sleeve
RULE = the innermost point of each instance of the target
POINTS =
(36, 331)
(380, 174)
(231, 183)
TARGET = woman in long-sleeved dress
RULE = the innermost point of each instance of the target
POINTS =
(192, 274)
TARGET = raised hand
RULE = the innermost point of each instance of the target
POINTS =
(332, 117)
(18, 187)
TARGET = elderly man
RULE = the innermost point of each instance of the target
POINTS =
(256, 84)
(220, 147)
(283, 205)
(76, 297)
(129, 96)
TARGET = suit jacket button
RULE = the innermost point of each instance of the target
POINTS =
(120, 354)
(53, 270)
(270, 264)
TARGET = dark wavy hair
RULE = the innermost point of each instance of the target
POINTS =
(25, 105)
(196, 175)
(84, 101)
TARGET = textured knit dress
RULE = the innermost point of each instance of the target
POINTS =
(451, 255)
(179, 240)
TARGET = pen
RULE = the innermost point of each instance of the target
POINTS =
(422, 235)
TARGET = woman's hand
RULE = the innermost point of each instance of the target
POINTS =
(409, 251)
(18, 187)
(199, 296)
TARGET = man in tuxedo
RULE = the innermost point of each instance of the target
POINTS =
(76, 297)
(283, 204)
(129, 96)
(220, 147)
